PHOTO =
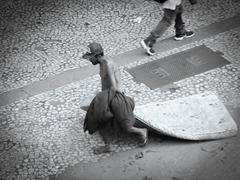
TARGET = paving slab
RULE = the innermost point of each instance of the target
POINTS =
(179, 66)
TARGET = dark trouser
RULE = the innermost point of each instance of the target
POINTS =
(168, 17)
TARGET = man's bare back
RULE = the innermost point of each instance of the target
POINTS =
(109, 73)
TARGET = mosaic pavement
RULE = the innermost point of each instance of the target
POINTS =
(44, 38)
(42, 135)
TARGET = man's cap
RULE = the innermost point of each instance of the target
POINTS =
(94, 49)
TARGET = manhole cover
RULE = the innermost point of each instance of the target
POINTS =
(160, 73)
(179, 66)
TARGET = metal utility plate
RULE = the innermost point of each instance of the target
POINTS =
(179, 66)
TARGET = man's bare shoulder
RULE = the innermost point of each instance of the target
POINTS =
(108, 61)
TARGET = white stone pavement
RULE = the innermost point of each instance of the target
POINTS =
(42, 135)
(40, 39)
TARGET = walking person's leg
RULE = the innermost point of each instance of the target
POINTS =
(167, 20)
(181, 32)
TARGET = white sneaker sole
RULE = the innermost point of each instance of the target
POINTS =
(144, 46)
(181, 38)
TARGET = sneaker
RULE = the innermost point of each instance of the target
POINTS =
(187, 34)
(149, 50)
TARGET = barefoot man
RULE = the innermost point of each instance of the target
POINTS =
(111, 100)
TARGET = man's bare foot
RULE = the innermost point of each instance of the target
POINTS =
(102, 149)
(144, 138)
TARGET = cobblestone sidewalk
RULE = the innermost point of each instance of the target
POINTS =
(44, 38)
(42, 135)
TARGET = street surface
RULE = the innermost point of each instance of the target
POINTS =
(41, 123)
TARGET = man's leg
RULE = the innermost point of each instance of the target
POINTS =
(106, 147)
(122, 107)
(180, 25)
(167, 20)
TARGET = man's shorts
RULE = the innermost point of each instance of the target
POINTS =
(122, 108)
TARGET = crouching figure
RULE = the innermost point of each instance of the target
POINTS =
(111, 104)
